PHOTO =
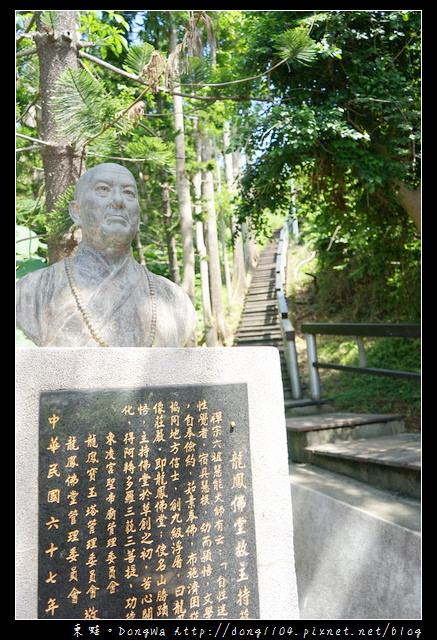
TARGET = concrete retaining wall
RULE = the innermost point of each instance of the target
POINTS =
(351, 564)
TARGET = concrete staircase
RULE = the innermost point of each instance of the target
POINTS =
(369, 448)
(373, 449)
(259, 324)
(355, 481)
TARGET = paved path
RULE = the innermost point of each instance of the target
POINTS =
(259, 324)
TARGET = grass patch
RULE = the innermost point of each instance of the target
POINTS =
(367, 393)
(359, 393)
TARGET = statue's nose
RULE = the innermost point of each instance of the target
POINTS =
(117, 199)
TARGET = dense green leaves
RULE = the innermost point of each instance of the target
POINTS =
(296, 44)
(80, 103)
(137, 57)
(328, 102)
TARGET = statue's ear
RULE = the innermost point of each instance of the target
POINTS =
(74, 210)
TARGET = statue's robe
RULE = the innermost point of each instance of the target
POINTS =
(117, 300)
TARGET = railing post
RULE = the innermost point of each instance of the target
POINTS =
(290, 354)
(313, 374)
(361, 353)
(296, 391)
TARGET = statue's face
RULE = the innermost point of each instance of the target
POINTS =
(107, 207)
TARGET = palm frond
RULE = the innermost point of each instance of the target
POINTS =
(152, 149)
(138, 56)
(49, 19)
(296, 44)
(79, 104)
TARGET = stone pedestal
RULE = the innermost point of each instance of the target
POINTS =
(258, 369)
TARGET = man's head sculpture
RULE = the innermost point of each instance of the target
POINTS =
(102, 296)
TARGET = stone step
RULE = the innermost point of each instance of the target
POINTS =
(247, 342)
(249, 332)
(304, 406)
(394, 508)
(389, 462)
(312, 430)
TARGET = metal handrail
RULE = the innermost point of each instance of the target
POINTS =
(359, 330)
(287, 329)
(381, 330)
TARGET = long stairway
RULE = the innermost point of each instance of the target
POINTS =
(372, 449)
(355, 481)
(259, 324)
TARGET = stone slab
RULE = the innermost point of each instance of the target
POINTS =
(40, 370)
(400, 450)
(358, 550)
(334, 420)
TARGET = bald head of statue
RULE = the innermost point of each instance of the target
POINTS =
(106, 207)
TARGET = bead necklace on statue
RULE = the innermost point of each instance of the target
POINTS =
(81, 307)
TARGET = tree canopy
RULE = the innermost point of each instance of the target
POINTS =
(260, 110)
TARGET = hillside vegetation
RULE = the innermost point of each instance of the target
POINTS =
(318, 294)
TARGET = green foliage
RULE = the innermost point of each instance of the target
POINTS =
(59, 221)
(295, 44)
(27, 247)
(49, 19)
(373, 394)
(153, 150)
(105, 36)
(345, 127)
(341, 117)
(137, 57)
(81, 104)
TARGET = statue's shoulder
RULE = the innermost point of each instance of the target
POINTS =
(176, 303)
(167, 288)
(35, 278)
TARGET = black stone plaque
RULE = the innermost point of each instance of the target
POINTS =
(146, 504)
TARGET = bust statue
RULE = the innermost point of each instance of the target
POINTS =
(102, 296)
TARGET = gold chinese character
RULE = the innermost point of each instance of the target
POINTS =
(71, 444)
(51, 577)
(237, 461)
(110, 439)
(53, 522)
(74, 595)
(54, 444)
(243, 596)
(51, 606)
(53, 420)
(128, 410)
(51, 550)
(53, 470)
(91, 441)
(54, 495)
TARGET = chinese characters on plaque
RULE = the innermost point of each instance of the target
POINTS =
(146, 504)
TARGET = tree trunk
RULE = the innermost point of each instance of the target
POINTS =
(410, 201)
(209, 327)
(239, 282)
(57, 51)
(171, 241)
(213, 247)
(183, 188)
(222, 223)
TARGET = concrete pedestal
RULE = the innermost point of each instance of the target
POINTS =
(47, 369)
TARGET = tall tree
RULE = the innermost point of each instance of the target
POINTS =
(216, 286)
(183, 186)
(57, 47)
(351, 118)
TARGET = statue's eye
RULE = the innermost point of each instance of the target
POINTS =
(102, 189)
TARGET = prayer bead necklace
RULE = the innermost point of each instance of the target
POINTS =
(84, 314)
